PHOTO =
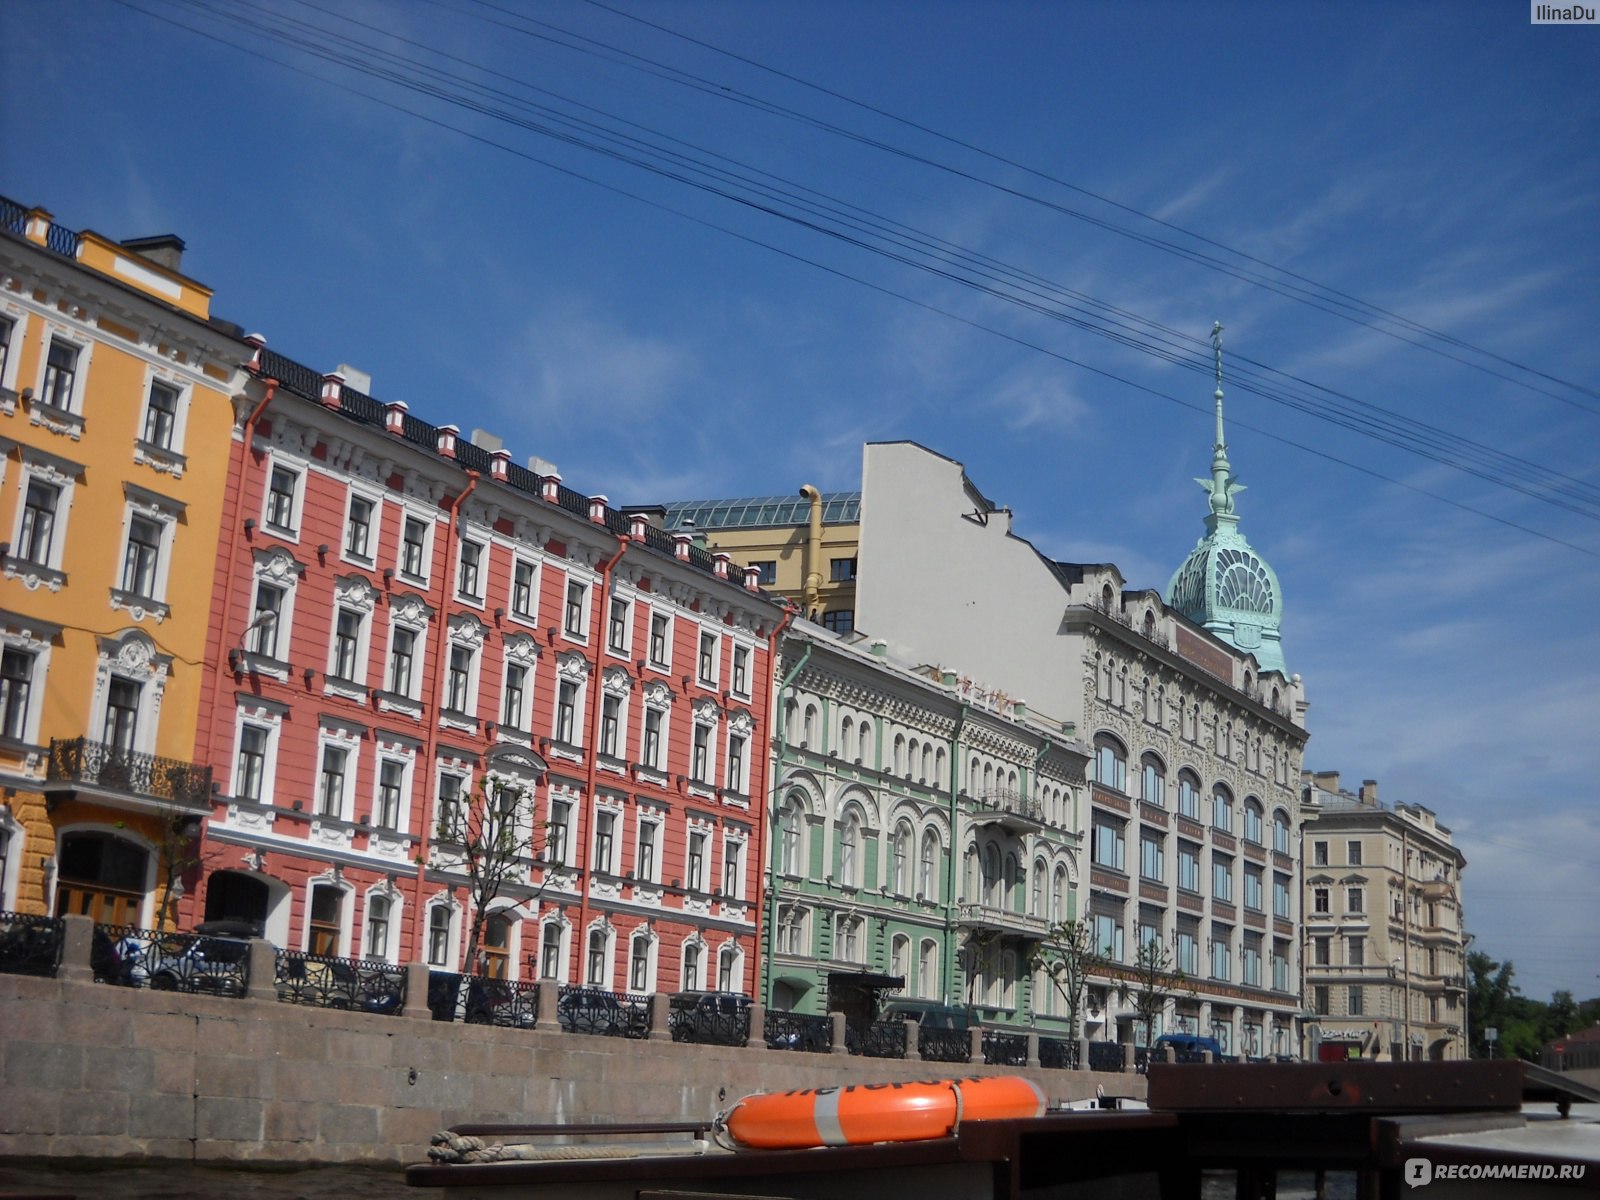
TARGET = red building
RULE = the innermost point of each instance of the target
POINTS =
(403, 618)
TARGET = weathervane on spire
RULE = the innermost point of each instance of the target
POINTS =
(1222, 485)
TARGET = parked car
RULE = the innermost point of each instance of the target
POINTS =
(592, 1010)
(710, 1018)
(1187, 1047)
(927, 1014)
(219, 965)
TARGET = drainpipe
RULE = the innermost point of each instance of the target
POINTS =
(206, 748)
(229, 567)
(949, 888)
(431, 727)
(596, 704)
(774, 798)
(812, 591)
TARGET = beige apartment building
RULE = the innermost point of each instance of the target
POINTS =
(1385, 952)
(802, 545)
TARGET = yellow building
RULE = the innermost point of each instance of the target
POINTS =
(116, 413)
(805, 545)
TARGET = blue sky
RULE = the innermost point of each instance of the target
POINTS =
(659, 342)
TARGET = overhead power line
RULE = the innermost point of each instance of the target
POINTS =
(1301, 288)
(635, 145)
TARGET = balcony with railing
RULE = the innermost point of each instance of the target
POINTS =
(996, 918)
(1007, 808)
(144, 781)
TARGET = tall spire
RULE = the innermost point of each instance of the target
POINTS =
(1222, 485)
(1224, 585)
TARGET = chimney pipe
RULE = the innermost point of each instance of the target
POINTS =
(812, 598)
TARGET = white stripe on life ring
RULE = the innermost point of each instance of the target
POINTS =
(826, 1114)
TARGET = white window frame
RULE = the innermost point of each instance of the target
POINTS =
(740, 660)
(625, 647)
(351, 594)
(395, 922)
(427, 522)
(451, 931)
(665, 662)
(63, 476)
(412, 614)
(651, 944)
(464, 633)
(11, 353)
(30, 636)
(485, 557)
(374, 537)
(342, 942)
(733, 866)
(586, 601)
(706, 717)
(266, 785)
(696, 867)
(132, 655)
(84, 348)
(563, 948)
(166, 513)
(530, 615)
(570, 681)
(567, 808)
(648, 832)
(607, 860)
(169, 458)
(706, 676)
(336, 738)
(692, 979)
(275, 567)
(394, 755)
(297, 498)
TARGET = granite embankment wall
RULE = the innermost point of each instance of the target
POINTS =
(91, 1070)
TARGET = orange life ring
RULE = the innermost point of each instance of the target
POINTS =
(859, 1113)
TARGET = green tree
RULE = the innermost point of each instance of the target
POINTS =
(1067, 955)
(490, 837)
(1149, 982)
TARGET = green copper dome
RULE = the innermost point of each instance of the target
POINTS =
(1224, 585)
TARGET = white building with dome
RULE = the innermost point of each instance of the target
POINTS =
(1197, 731)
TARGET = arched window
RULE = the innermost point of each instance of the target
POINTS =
(901, 849)
(928, 968)
(1152, 781)
(913, 757)
(850, 850)
(641, 963)
(926, 775)
(495, 952)
(1058, 896)
(596, 971)
(1110, 763)
(1011, 881)
(729, 973)
(864, 754)
(792, 849)
(552, 956)
(102, 876)
(846, 729)
(991, 874)
(1252, 820)
(1222, 809)
(1188, 795)
(928, 866)
(898, 763)
(808, 727)
(899, 955)
(1280, 831)
(938, 767)
(1036, 889)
